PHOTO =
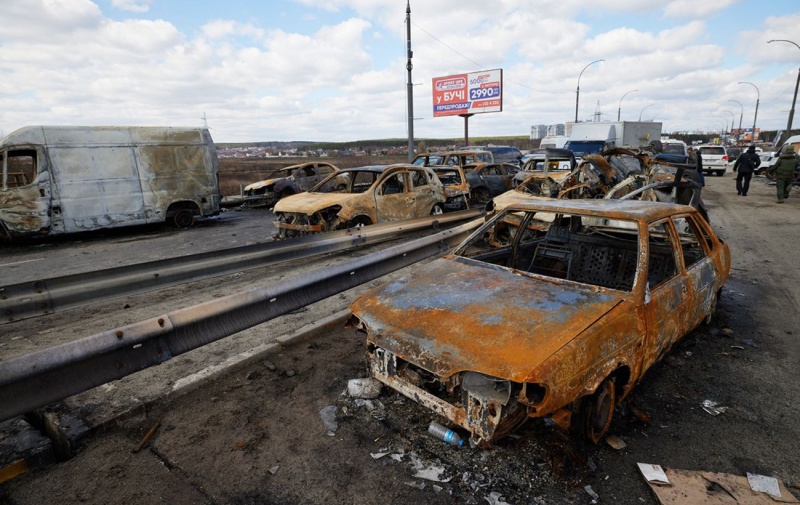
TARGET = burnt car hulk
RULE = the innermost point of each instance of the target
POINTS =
(372, 194)
(289, 181)
(552, 308)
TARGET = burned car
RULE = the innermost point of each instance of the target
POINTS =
(487, 180)
(289, 181)
(448, 158)
(552, 308)
(456, 188)
(372, 194)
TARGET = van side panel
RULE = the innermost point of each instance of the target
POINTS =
(97, 187)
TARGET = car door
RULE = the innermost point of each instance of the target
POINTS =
(496, 178)
(695, 250)
(425, 193)
(394, 198)
(667, 294)
(324, 171)
(306, 177)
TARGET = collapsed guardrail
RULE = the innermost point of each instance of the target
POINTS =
(38, 379)
(46, 296)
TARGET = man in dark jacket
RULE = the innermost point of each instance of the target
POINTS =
(745, 165)
(784, 170)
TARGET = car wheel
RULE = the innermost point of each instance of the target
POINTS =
(481, 195)
(183, 219)
(359, 222)
(598, 411)
(721, 173)
(713, 309)
(437, 209)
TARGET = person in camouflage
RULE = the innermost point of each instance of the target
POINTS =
(784, 171)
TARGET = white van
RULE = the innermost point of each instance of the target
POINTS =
(767, 163)
(65, 179)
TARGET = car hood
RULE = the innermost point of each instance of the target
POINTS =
(308, 203)
(260, 184)
(512, 197)
(457, 314)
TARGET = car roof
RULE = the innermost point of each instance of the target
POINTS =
(638, 210)
(382, 168)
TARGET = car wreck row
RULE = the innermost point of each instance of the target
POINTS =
(553, 308)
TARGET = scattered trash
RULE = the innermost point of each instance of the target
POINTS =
(418, 485)
(427, 470)
(737, 347)
(146, 438)
(328, 417)
(446, 434)
(252, 375)
(367, 389)
(653, 473)
(496, 498)
(688, 486)
(764, 484)
(437, 488)
(375, 407)
(749, 343)
(592, 494)
(378, 455)
(713, 408)
(726, 331)
(289, 373)
(274, 470)
(639, 414)
(269, 365)
(616, 443)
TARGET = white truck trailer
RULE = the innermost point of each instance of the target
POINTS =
(66, 179)
(595, 137)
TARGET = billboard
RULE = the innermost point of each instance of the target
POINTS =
(472, 93)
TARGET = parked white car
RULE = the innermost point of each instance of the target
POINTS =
(715, 159)
(767, 162)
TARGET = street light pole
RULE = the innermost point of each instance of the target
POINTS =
(794, 98)
(733, 119)
(619, 109)
(578, 90)
(758, 99)
(739, 133)
(410, 85)
(643, 108)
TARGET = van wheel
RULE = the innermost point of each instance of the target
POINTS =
(183, 219)
(597, 411)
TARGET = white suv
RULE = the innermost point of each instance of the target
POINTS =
(715, 159)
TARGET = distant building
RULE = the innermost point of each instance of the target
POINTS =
(556, 130)
(538, 131)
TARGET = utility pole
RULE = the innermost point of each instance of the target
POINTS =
(410, 85)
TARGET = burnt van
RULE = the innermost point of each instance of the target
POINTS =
(67, 179)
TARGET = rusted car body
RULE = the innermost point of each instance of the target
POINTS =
(487, 180)
(456, 188)
(66, 179)
(615, 174)
(372, 194)
(552, 308)
(448, 158)
(289, 181)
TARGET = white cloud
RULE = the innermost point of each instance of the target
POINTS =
(696, 9)
(132, 5)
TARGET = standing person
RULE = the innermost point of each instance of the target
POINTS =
(692, 160)
(695, 160)
(784, 172)
(745, 164)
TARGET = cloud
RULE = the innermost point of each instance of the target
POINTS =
(132, 5)
(695, 9)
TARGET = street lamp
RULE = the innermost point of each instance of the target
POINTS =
(643, 108)
(758, 99)
(578, 90)
(796, 84)
(739, 132)
(733, 119)
(619, 109)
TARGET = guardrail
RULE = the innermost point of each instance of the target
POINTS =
(38, 379)
(47, 296)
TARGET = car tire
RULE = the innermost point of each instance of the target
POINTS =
(183, 219)
(597, 411)
(437, 209)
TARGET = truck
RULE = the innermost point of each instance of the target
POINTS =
(67, 179)
(596, 137)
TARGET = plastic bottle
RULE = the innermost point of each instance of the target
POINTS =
(445, 434)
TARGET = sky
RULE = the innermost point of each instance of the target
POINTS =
(335, 70)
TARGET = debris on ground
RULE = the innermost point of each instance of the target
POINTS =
(366, 389)
(328, 417)
(698, 487)
(616, 442)
(595, 497)
(713, 408)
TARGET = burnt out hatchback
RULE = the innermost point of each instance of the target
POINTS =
(553, 308)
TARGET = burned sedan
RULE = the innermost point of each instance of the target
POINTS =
(372, 194)
(289, 181)
(553, 308)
